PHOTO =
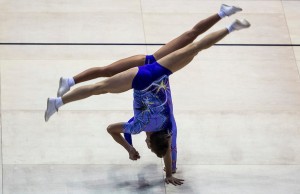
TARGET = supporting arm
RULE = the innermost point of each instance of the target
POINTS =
(168, 164)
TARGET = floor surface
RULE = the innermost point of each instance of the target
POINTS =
(237, 107)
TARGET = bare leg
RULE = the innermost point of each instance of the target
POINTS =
(182, 57)
(138, 60)
(187, 37)
(65, 84)
(117, 84)
(110, 70)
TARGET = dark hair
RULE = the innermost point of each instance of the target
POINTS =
(159, 142)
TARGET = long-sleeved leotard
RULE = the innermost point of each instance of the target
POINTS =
(153, 107)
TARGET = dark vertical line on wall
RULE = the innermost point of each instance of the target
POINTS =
(287, 25)
(142, 17)
(148, 53)
(163, 177)
(1, 116)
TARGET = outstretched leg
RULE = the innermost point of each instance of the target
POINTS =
(107, 71)
(190, 35)
(138, 60)
(110, 70)
(122, 65)
(116, 84)
(187, 37)
(182, 57)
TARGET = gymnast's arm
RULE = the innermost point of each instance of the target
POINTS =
(115, 131)
(168, 165)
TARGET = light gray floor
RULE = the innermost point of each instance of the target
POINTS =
(237, 108)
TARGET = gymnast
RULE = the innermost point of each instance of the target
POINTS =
(148, 76)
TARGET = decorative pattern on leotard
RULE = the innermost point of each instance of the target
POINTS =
(152, 108)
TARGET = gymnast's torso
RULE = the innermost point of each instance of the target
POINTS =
(152, 100)
(153, 109)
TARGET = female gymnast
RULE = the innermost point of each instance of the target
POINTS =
(148, 76)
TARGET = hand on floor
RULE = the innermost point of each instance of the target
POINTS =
(174, 181)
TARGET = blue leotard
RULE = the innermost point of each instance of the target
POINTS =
(153, 108)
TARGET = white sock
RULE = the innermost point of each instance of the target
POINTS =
(71, 82)
(221, 14)
(58, 102)
(230, 28)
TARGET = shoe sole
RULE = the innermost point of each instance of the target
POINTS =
(245, 22)
(238, 8)
(48, 101)
(235, 7)
(60, 83)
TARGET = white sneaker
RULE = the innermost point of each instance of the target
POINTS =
(238, 25)
(229, 10)
(51, 108)
(63, 87)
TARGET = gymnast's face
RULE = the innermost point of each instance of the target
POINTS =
(148, 142)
